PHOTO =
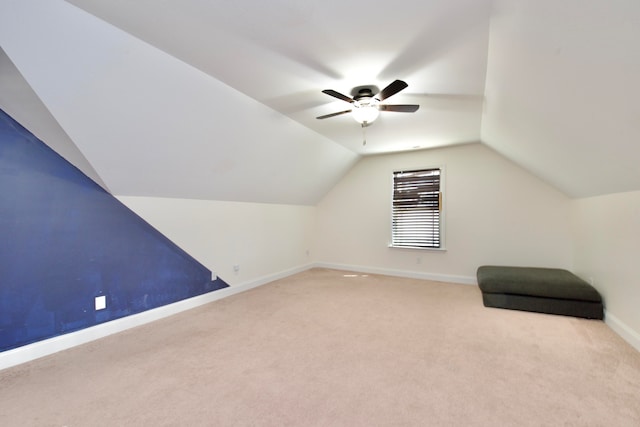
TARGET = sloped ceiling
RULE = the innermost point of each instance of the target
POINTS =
(563, 92)
(152, 125)
(218, 99)
(283, 53)
(20, 102)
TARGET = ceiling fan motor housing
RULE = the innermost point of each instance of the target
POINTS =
(363, 93)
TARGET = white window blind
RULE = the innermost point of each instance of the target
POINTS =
(416, 209)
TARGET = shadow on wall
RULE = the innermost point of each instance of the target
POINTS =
(65, 242)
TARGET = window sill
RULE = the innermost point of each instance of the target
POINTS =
(418, 248)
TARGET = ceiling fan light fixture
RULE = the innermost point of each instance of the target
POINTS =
(365, 110)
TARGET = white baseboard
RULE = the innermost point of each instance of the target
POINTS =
(49, 346)
(253, 283)
(622, 329)
(465, 280)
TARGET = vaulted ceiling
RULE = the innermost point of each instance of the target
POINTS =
(218, 99)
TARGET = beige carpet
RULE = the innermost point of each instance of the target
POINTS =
(324, 349)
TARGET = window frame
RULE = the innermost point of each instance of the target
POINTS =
(442, 205)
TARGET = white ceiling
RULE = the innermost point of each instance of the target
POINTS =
(563, 92)
(549, 84)
(21, 103)
(282, 53)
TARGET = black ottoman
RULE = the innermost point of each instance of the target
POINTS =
(542, 290)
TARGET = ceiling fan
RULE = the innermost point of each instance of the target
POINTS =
(366, 104)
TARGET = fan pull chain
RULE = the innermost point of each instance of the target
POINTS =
(364, 135)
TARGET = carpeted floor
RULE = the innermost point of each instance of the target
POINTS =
(329, 348)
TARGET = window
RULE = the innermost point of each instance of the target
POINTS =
(417, 205)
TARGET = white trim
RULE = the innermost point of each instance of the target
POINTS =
(254, 283)
(43, 348)
(464, 280)
(49, 346)
(415, 248)
(622, 329)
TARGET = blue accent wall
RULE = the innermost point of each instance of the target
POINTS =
(64, 241)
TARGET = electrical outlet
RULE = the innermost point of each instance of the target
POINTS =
(236, 267)
(101, 302)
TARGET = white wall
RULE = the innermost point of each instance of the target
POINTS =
(268, 241)
(606, 247)
(265, 240)
(495, 213)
